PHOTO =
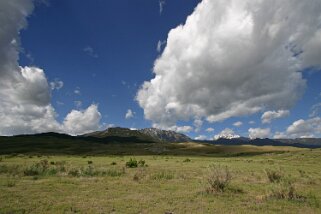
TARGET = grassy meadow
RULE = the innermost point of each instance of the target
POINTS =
(259, 179)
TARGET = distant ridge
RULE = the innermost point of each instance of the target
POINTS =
(298, 142)
(148, 134)
(153, 135)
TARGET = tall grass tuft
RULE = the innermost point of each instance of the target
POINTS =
(274, 176)
(218, 179)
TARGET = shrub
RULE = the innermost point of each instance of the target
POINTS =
(218, 179)
(113, 173)
(113, 163)
(33, 170)
(3, 169)
(141, 163)
(139, 174)
(11, 182)
(163, 175)
(285, 190)
(274, 176)
(42, 168)
(89, 171)
(132, 163)
(74, 172)
(60, 165)
(52, 171)
(10, 169)
(90, 162)
(187, 160)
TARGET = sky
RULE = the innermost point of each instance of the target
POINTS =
(205, 68)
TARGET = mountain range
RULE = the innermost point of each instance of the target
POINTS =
(148, 134)
(153, 135)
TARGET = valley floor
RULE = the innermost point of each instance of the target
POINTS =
(277, 182)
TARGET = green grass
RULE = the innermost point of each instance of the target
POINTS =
(263, 180)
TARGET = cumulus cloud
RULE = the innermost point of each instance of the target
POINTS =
(234, 58)
(180, 129)
(25, 100)
(268, 116)
(302, 128)
(81, 122)
(259, 133)
(129, 114)
(227, 134)
(198, 124)
(210, 129)
(201, 137)
(238, 124)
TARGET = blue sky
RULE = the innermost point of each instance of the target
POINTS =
(123, 35)
(96, 52)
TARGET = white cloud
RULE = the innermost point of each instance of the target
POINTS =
(302, 128)
(198, 124)
(234, 58)
(77, 91)
(159, 45)
(81, 122)
(201, 137)
(280, 135)
(161, 6)
(252, 122)
(129, 114)
(90, 51)
(180, 129)
(210, 129)
(25, 101)
(268, 116)
(56, 85)
(315, 110)
(259, 133)
(238, 124)
(227, 134)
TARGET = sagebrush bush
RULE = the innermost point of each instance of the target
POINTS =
(187, 160)
(33, 170)
(114, 172)
(218, 179)
(141, 163)
(74, 172)
(274, 176)
(11, 182)
(10, 169)
(132, 163)
(285, 190)
(45, 168)
(163, 175)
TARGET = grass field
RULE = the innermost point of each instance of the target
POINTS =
(165, 183)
